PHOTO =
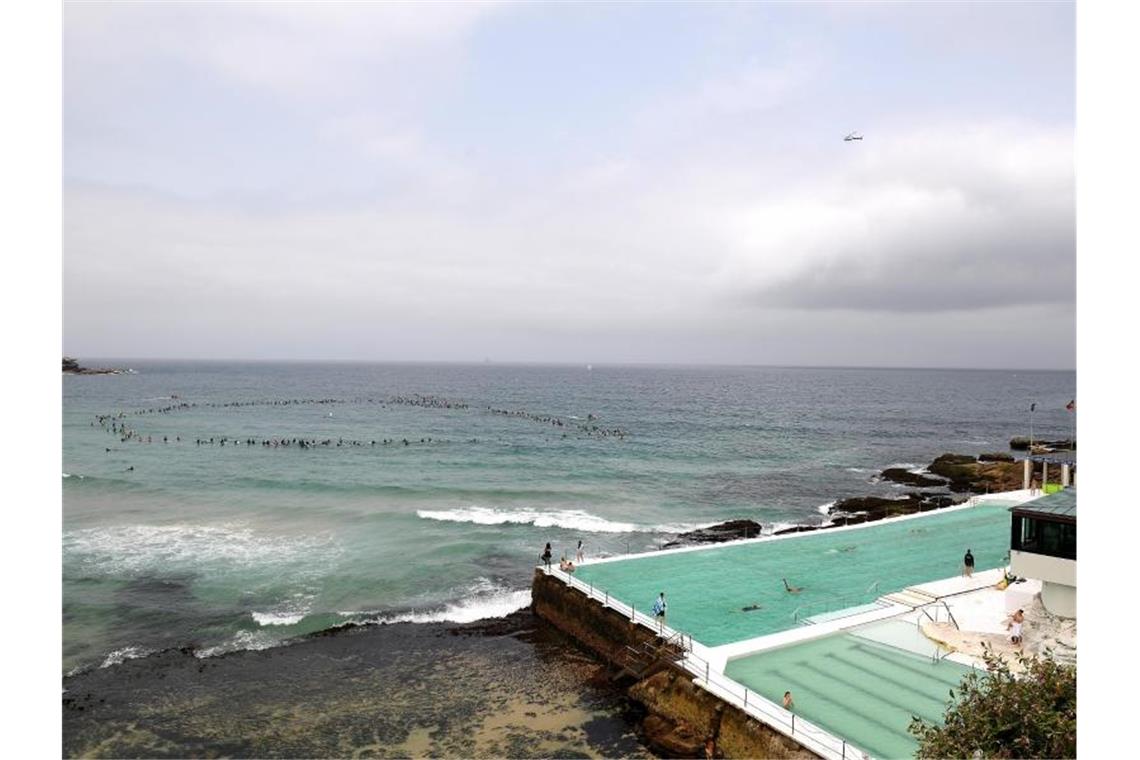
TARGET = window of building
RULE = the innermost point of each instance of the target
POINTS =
(1048, 537)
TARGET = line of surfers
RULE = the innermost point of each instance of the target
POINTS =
(431, 402)
(127, 434)
(589, 427)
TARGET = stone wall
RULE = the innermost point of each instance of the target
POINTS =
(681, 714)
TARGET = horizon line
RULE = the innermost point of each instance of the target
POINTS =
(539, 363)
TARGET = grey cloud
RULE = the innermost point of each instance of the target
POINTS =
(990, 225)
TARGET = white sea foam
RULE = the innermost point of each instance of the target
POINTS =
(778, 526)
(569, 519)
(468, 610)
(823, 509)
(278, 618)
(290, 612)
(241, 640)
(129, 549)
(859, 470)
(481, 600)
(126, 653)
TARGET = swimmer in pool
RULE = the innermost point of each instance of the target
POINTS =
(791, 589)
(751, 608)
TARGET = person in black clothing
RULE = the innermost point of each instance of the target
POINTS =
(546, 555)
(968, 564)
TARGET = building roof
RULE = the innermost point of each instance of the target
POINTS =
(1061, 505)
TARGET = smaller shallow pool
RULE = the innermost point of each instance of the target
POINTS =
(863, 685)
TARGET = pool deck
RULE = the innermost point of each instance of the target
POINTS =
(974, 602)
(959, 593)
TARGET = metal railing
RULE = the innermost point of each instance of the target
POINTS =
(804, 611)
(778, 718)
(937, 607)
(753, 704)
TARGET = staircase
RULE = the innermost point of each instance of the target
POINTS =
(642, 661)
(911, 597)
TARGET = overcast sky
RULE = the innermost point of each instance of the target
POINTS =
(571, 183)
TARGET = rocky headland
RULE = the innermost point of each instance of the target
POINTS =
(71, 367)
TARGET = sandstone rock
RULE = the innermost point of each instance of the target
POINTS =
(995, 456)
(670, 739)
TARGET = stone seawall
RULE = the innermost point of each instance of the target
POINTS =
(681, 715)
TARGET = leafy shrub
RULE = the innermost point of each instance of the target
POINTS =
(999, 714)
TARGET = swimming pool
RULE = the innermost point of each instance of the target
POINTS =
(855, 686)
(709, 589)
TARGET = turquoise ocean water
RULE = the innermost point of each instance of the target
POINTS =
(242, 545)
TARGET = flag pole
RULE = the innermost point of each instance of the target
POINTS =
(1073, 437)
(1031, 408)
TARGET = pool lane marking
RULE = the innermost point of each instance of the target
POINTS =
(803, 688)
(879, 676)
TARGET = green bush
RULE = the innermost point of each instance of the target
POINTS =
(998, 714)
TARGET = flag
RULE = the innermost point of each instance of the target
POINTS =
(1071, 406)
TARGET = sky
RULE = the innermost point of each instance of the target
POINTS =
(586, 183)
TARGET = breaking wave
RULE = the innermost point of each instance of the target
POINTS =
(126, 653)
(131, 549)
(569, 519)
(481, 600)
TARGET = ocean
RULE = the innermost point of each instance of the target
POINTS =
(249, 503)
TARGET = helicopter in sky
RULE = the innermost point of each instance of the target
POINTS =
(852, 136)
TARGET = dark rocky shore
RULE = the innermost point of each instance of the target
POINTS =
(71, 367)
(513, 687)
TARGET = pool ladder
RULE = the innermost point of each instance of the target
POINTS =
(842, 600)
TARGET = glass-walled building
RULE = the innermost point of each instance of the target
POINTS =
(1043, 545)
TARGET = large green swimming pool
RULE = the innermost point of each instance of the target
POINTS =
(707, 590)
(855, 687)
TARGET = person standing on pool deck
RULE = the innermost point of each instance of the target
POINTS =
(580, 555)
(968, 564)
(546, 555)
(659, 607)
